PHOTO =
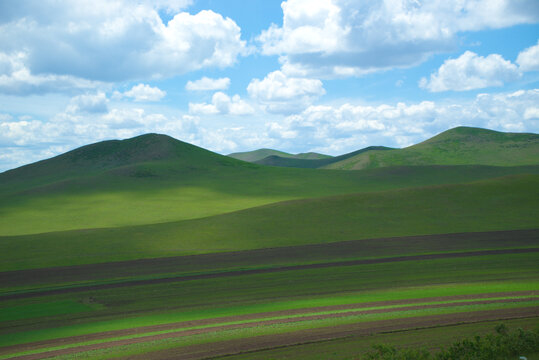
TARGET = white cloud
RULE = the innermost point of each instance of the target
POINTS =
(20, 133)
(309, 26)
(89, 103)
(531, 113)
(348, 127)
(55, 44)
(528, 59)
(222, 104)
(471, 71)
(144, 92)
(282, 94)
(329, 129)
(339, 38)
(208, 84)
(16, 78)
(29, 140)
(203, 109)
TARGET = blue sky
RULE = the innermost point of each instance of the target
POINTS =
(331, 76)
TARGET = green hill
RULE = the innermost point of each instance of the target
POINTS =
(311, 156)
(257, 155)
(311, 163)
(155, 179)
(494, 204)
(124, 157)
(458, 146)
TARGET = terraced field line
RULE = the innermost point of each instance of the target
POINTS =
(240, 325)
(265, 271)
(254, 316)
(267, 342)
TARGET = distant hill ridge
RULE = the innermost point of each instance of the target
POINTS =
(458, 146)
(275, 160)
(256, 155)
(154, 178)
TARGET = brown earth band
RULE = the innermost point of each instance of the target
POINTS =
(271, 257)
(266, 342)
(181, 333)
(235, 273)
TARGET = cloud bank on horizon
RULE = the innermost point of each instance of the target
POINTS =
(298, 75)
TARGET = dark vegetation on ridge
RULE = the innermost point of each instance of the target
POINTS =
(156, 179)
(104, 156)
(458, 146)
(275, 160)
(257, 155)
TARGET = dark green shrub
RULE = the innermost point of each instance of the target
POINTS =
(502, 345)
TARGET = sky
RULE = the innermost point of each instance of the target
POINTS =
(331, 76)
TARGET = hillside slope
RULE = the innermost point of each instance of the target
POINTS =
(257, 155)
(275, 160)
(122, 156)
(154, 179)
(458, 146)
(496, 204)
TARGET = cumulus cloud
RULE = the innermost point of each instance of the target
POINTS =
(27, 139)
(144, 92)
(323, 128)
(348, 127)
(222, 104)
(17, 79)
(282, 94)
(89, 103)
(56, 42)
(471, 71)
(528, 59)
(208, 84)
(338, 38)
(531, 113)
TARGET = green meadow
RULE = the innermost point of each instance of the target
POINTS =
(152, 247)
(478, 206)
(457, 146)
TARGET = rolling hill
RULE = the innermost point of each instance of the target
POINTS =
(458, 146)
(154, 248)
(275, 160)
(494, 204)
(116, 156)
(257, 155)
(155, 178)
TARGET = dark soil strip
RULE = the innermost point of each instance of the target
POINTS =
(267, 342)
(236, 318)
(282, 256)
(455, 318)
(264, 271)
(59, 342)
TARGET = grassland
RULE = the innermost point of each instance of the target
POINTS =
(399, 286)
(459, 146)
(112, 200)
(350, 348)
(153, 248)
(497, 204)
(313, 163)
